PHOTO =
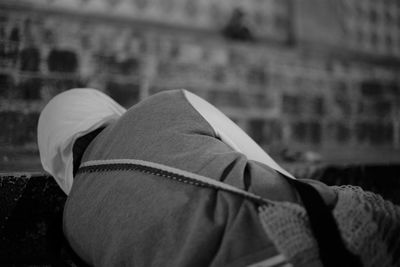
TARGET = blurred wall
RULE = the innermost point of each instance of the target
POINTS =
(321, 76)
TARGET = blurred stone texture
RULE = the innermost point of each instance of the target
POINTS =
(321, 76)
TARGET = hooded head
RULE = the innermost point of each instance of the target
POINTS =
(65, 118)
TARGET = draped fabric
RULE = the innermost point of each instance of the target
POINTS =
(137, 219)
(65, 118)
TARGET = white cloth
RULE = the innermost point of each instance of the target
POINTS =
(65, 118)
(231, 134)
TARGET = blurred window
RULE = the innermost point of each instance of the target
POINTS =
(215, 12)
(374, 39)
(113, 3)
(256, 75)
(29, 59)
(360, 36)
(15, 35)
(219, 74)
(259, 18)
(191, 8)
(62, 61)
(167, 5)
(389, 41)
(373, 16)
(388, 16)
(358, 9)
(281, 22)
(256, 130)
(141, 4)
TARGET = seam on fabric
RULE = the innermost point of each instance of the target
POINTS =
(114, 165)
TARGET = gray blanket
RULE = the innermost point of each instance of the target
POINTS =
(128, 218)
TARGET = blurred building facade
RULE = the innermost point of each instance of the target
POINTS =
(316, 75)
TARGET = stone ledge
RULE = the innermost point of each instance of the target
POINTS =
(30, 222)
(31, 206)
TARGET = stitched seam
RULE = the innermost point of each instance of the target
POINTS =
(166, 174)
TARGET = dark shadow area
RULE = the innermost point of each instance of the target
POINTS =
(32, 204)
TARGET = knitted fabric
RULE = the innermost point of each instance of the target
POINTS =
(288, 227)
(369, 226)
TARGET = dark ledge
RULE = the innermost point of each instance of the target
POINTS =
(31, 206)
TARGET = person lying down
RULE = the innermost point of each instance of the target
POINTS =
(173, 182)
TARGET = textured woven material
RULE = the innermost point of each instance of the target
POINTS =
(369, 225)
(288, 226)
(131, 218)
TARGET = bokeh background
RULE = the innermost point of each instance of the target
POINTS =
(310, 81)
(315, 82)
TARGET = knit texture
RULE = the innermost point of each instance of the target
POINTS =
(369, 226)
(288, 227)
